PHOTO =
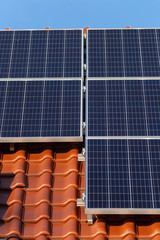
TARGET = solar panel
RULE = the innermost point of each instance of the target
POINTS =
(123, 53)
(48, 110)
(123, 108)
(41, 53)
(123, 176)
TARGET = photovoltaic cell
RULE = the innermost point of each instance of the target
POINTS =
(123, 108)
(64, 55)
(6, 39)
(152, 101)
(19, 55)
(149, 50)
(2, 98)
(32, 108)
(37, 54)
(41, 109)
(12, 110)
(132, 53)
(55, 54)
(123, 174)
(61, 108)
(114, 53)
(123, 53)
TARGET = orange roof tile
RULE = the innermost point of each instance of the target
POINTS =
(39, 188)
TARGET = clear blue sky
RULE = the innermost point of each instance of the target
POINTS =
(38, 14)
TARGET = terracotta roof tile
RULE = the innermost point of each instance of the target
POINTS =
(21, 154)
(150, 231)
(124, 231)
(33, 230)
(38, 168)
(39, 182)
(39, 188)
(63, 214)
(10, 197)
(64, 168)
(62, 230)
(98, 228)
(62, 198)
(8, 213)
(12, 227)
(38, 197)
(11, 181)
(64, 182)
(66, 156)
(16, 167)
(35, 213)
(39, 157)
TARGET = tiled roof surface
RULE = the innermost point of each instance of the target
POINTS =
(39, 187)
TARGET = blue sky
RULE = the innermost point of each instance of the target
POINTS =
(38, 14)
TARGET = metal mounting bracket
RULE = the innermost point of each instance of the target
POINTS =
(80, 202)
(81, 158)
(90, 219)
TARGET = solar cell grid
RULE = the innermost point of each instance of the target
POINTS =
(123, 108)
(123, 53)
(34, 109)
(41, 53)
(122, 174)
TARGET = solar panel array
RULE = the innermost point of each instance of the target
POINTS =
(123, 127)
(41, 81)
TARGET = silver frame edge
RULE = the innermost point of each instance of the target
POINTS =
(123, 211)
(40, 139)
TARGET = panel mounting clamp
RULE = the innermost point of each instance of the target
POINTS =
(81, 158)
(80, 202)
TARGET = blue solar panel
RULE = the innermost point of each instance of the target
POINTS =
(123, 108)
(38, 109)
(123, 174)
(41, 53)
(123, 53)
